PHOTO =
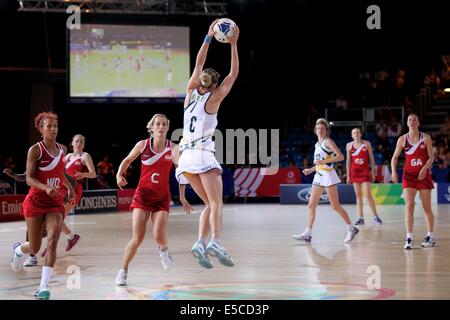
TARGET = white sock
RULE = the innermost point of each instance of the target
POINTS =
(430, 234)
(46, 275)
(409, 235)
(215, 239)
(350, 227)
(18, 250)
(70, 236)
(307, 232)
(202, 239)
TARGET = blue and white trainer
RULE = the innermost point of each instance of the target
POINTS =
(302, 237)
(217, 250)
(31, 261)
(428, 242)
(16, 259)
(377, 220)
(199, 252)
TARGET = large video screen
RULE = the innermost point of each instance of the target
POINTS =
(128, 61)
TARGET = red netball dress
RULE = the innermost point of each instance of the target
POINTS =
(416, 155)
(359, 170)
(74, 165)
(49, 171)
(153, 191)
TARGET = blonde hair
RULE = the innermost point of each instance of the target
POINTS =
(152, 120)
(208, 77)
(79, 136)
(324, 122)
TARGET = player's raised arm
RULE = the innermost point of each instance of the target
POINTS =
(194, 81)
(222, 91)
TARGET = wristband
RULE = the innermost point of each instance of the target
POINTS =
(207, 39)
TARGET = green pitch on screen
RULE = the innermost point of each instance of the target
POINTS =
(98, 74)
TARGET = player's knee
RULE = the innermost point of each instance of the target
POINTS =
(137, 240)
(335, 207)
(312, 206)
(159, 237)
(52, 240)
(216, 203)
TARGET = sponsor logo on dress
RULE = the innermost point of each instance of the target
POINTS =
(206, 168)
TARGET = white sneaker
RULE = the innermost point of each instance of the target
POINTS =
(302, 237)
(351, 234)
(31, 261)
(166, 259)
(16, 260)
(408, 244)
(121, 278)
(428, 242)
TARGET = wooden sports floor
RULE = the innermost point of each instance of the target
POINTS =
(269, 263)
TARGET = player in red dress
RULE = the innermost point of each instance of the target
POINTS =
(152, 196)
(416, 177)
(44, 204)
(79, 166)
(359, 153)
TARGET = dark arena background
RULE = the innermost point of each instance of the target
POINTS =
(366, 65)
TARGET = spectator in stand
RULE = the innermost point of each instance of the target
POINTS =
(9, 163)
(395, 128)
(291, 164)
(445, 72)
(372, 94)
(442, 157)
(105, 171)
(443, 130)
(408, 105)
(341, 102)
(382, 142)
(310, 119)
(341, 172)
(433, 82)
(382, 129)
(2, 166)
(306, 163)
(398, 90)
(383, 86)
